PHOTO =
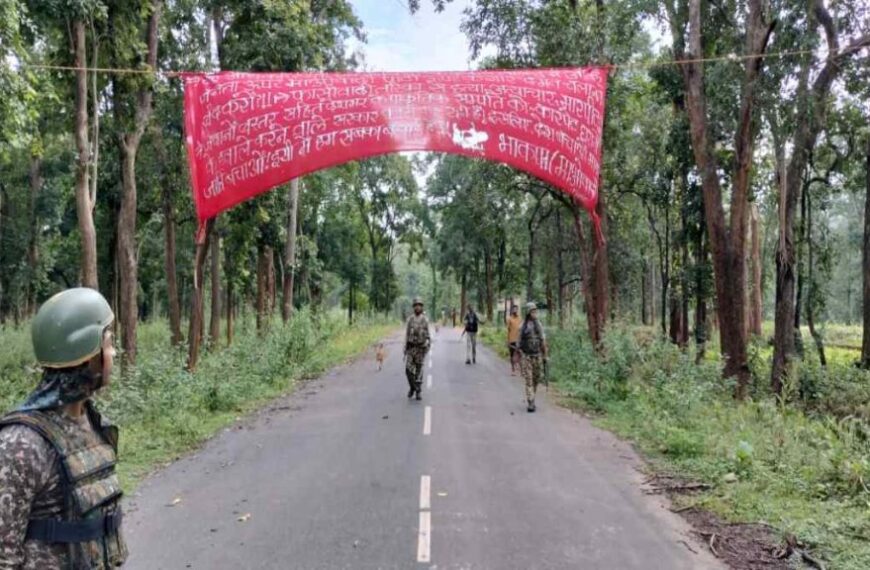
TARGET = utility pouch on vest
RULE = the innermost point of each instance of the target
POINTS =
(530, 340)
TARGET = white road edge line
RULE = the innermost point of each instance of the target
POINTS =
(424, 538)
(425, 492)
(430, 364)
(427, 421)
(429, 381)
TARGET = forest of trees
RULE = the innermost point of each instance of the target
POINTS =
(732, 194)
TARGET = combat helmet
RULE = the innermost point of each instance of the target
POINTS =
(531, 307)
(417, 301)
(68, 328)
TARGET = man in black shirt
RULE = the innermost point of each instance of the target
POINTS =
(471, 325)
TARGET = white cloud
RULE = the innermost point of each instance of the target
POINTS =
(426, 41)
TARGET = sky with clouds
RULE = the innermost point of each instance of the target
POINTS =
(425, 41)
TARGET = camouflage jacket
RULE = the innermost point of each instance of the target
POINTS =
(417, 333)
(32, 487)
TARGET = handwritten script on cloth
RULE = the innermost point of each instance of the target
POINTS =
(249, 132)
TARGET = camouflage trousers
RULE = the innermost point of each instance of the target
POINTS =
(532, 367)
(414, 359)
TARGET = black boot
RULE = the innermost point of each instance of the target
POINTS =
(411, 393)
(531, 407)
(419, 395)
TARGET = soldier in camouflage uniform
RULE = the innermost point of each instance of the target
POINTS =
(59, 494)
(533, 345)
(417, 344)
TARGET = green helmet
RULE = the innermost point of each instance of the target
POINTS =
(417, 301)
(531, 307)
(68, 328)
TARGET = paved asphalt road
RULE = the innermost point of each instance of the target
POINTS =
(350, 474)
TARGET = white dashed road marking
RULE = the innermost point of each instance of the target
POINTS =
(429, 381)
(424, 538)
(425, 492)
(427, 421)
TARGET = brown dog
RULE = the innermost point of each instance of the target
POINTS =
(380, 356)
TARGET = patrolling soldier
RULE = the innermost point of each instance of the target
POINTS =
(533, 345)
(417, 344)
(59, 494)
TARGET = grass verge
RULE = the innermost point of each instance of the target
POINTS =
(802, 467)
(164, 411)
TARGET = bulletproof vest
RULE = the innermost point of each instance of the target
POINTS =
(531, 337)
(92, 510)
(471, 323)
(417, 329)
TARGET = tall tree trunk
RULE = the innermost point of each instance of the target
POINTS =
(273, 283)
(194, 333)
(755, 300)
(674, 332)
(214, 327)
(172, 300)
(684, 270)
(560, 270)
(812, 109)
(800, 272)
(490, 289)
(350, 299)
(865, 342)
(810, 302)
(463, 294)
(727, 243)
(128, 263)
(84, 205)
(588, 275)
(601, 262)
(530, 264)
(36, 181)
(644, 288)
(230, 309)
(262, 288)
(701, 260)
(290, 251)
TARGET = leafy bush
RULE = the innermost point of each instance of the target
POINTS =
(803, 466)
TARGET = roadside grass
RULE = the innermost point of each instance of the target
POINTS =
(164, 411)
(802, 467)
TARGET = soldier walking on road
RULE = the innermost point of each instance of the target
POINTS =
(533, 345)
(417, 344)
(59, 492)
(471, 326)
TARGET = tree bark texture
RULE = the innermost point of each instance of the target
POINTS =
(755, 264)
(194, 333)
(84, 205)
(214, 327)
(865, 344)
(169, 241)
(290, 251)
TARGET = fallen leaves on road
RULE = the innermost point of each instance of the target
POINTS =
(244, 518)
(174, 502)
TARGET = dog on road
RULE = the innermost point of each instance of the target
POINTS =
(380, 356)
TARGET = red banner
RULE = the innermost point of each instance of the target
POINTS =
(249, 132)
